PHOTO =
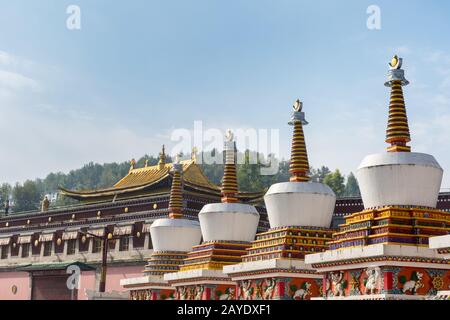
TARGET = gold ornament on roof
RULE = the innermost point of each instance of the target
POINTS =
(396, 63)
(132, 164)
(194, 154)
(298, 105)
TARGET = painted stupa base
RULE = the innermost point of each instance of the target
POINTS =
(391, 225)
(275, 279)
(214, 255)
(164, 262)
(201, 276)
(202, 284)
(148, 288)
(288, 242)
(382, 272)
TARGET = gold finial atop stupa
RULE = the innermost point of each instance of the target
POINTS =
(299, 166)
(396, 63)
(176, 191)
(298, 105)
(397, 133)
(162, 158)
(229, 181)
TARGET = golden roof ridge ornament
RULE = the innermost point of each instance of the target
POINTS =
(132, 164)
(229, 188)
(176, 190)
(194, 154)
(162, 158)
(397, 132)
(299, 164)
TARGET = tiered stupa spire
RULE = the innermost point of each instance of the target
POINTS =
(229, 182)
(397, 133)
(176, 191)
(299, 166)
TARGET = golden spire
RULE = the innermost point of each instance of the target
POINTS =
(176, 191)
(397, 133)
(229, 181)
(132, 164)
(299, 166)
(162, 158)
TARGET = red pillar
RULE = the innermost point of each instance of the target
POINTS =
(388, 281)
(280, 289)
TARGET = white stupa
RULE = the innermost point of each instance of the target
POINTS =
(299, 202)
(399, 177)
(229, 220)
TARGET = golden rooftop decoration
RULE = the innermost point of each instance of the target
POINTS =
(229, 182)
(397, 133)
(299, 166)
(162, 158)
(176, 192)
(194, 154)
(132, 164)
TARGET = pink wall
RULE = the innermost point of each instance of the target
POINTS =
(113, 277)
(19, 279)
(22, 281)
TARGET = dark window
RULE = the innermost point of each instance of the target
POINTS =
(71, 246)
(48, 248)
(124, 243)
(5, 251)
(25, 250)
(97, 245)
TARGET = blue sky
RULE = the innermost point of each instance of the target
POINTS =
(137, 70)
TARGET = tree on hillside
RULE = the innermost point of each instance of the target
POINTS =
(26, 197)
(318, 175)
(352, 187)
(335, 181)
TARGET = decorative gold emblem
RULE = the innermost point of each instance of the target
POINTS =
(7, 224)
(155, 206)
(99, 213)
(396, 62)
(83, 239)
(36, 243)
(28, 221)
(125, 210)
(49, 219)
(110, 236)
(298, 105)
(138, 234)
(14, 289)
(73, 217)
(58, 242)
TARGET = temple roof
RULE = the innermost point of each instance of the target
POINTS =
(141, 178)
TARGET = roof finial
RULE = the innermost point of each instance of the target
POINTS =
(229, 181)
(194, 154)
(162, 158)
(176, 190)
(132, 164)
(299, 166)
(146, 163)
(397, 133)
